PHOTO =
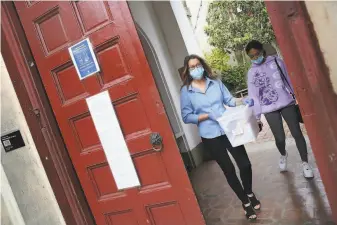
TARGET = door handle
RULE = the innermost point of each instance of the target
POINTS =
(156, 141)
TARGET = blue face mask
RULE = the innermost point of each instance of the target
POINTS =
(258, 60)
(197, 73)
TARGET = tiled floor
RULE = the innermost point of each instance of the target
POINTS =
(287, 198)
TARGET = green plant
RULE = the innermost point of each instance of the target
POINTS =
(231, 24)
(234, 77)
(218, 59)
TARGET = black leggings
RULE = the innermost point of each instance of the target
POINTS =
(276, 125)
(217, 148)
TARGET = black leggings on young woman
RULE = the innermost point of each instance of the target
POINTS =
(289, 114)
(217, 149)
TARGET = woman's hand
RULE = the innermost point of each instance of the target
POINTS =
(203, 117)
(211, 116)
(248, 101)
(214, 115)
(244, 101)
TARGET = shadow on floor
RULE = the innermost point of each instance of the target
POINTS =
(287, 198)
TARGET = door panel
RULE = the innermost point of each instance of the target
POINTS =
(165, 195)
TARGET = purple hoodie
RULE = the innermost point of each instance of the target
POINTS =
(267, 88)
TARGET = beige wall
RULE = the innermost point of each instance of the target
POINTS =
(199, 10)
(324, 17)
(26, 194)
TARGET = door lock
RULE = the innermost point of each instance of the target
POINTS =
(156, 141)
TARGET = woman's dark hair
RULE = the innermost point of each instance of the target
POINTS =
(186, 77)
(256, 45)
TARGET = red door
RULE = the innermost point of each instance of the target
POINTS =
(165, 196)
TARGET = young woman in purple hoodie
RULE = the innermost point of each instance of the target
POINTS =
(272, 96)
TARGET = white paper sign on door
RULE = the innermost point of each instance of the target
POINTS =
(112, 140)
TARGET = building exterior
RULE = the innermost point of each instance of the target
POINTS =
(197, 13)
(62, 176)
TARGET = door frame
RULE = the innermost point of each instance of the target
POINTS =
(309, 74)
(40, 119)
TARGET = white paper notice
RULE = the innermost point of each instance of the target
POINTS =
(112, 140)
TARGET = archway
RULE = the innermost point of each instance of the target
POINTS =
(164, 92)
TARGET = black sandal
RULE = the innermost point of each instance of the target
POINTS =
(255, 202)
(249, 211)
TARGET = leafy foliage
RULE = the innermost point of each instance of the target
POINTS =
(218, 60)
(231, 24)
(234, 77)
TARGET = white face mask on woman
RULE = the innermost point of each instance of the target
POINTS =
(197, 73)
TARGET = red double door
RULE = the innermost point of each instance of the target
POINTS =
(165, 196)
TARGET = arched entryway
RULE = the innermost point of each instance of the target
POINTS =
(166, 97)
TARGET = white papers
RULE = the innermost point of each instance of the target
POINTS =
(112, 140)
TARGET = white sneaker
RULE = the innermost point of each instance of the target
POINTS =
(283, 162)
(307, 171)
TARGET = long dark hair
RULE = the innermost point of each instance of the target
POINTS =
(186, 77)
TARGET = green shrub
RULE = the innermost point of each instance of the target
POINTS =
(234, 77)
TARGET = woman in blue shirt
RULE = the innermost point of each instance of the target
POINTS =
(202, 101)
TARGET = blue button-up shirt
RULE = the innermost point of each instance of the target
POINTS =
(194, 103)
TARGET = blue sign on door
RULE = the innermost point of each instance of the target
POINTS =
(84, 59)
